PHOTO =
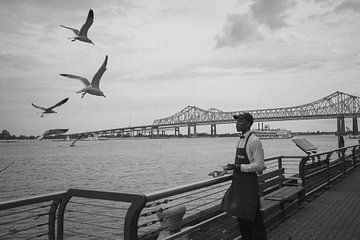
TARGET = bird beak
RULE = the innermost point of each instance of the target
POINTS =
(104, 96)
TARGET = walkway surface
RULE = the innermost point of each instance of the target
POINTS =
(335, 214)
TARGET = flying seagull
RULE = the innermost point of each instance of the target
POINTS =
(50, 109)
(82, 34)
(51, 132)
(93, 87)
(77, 139)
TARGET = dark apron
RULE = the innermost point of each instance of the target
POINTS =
(242, 198)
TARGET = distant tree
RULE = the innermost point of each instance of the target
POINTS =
(5, 134)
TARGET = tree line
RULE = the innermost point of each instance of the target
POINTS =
(6, 135)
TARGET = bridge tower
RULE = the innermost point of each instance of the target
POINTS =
(340, 126)
(355, 126)
(177, 131)
(340, 131)
(189, 129)
(213, 130)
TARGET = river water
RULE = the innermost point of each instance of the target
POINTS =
(126, 165)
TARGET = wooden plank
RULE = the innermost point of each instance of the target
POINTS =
(272, 174)
(271, 183)
(268, 204)
(284, 193)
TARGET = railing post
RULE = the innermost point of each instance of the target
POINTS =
(132, 217)
(328, 167)
(354, 156)
(60, 216)
(52, 219)
(280, 162)
(302, 176)
(342, 154)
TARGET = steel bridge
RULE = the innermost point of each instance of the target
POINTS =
(337, 105)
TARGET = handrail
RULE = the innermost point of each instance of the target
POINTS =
(31, 200)
(185, 188)
(333, 169)
(329, 163)
(54, 197)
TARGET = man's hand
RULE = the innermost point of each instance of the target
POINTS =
(229, 166)
(216, 174)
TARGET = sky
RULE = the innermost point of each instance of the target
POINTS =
(165, 55)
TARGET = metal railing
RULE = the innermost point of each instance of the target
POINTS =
(30, 218)
(87, 214)
(320, 170)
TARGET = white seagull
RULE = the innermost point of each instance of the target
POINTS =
(93, 87)
(50, 109)
(52, 132)
(82, 34)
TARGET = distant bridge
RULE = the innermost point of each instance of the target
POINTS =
(338, 106)
(335, 105)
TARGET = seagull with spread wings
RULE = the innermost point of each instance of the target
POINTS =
(93, 87)
(52, 132)
(82, 34)
(50, 109)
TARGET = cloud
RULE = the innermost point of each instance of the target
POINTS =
(271, 13)
(243, 28)
(237, 29)
(349, 5)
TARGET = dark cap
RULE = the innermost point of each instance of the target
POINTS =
(245, 115)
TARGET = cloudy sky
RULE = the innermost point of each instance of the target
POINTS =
(165, 55)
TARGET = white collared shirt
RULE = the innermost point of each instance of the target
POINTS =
(254, 151)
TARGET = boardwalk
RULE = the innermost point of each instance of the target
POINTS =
(335, 214)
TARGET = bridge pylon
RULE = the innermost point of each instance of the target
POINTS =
(355, 126)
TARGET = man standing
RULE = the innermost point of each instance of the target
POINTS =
(242, 199)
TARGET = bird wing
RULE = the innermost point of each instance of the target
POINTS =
(96, 79)
(72, 29)
(59, 103)
(42, 108)
(84, 80)
(55, 131)
(89, 21)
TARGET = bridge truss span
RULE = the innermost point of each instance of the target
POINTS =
(335, 105)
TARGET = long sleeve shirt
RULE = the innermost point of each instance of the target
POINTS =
(255, 153)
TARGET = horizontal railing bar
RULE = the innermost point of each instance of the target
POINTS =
(20, 219)
(183, 196)
(192, 228)
(24, 229)
(92, 235)
(25, 210)
(204, 204)
(205, 190)
(186, 188)
(92, 224)
(97, 205)
(91, 213)
(37, 236)
(201, 197)
(146, 224)
(104, 195)
(31, 200)
(323, 185)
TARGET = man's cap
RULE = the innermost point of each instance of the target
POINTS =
(244, 115)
